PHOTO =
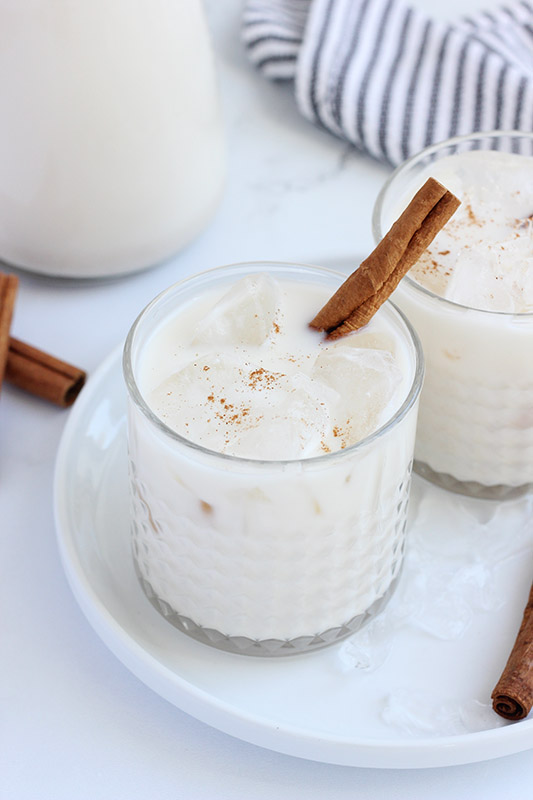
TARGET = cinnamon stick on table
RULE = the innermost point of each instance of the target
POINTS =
(512, 697)
(8, 293)
(366, 289)
(43, 375)
(28, 367)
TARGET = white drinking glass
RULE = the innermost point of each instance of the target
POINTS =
(267, 557)
(475, 427)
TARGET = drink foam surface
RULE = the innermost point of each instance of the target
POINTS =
(483, 257)
(240, 372)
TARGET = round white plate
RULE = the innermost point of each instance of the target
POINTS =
(410, 690)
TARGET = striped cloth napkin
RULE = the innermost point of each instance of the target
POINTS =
(391, 80)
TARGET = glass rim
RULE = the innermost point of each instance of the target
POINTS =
(377, 232)
(322, 459)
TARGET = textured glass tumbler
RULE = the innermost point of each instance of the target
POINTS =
(267, 557)
(475, 427)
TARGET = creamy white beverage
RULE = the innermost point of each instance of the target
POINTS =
(270, 469)
(111, 147)
(483, 257)
(245, 375)
(470, 298)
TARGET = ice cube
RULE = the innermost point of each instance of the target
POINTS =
(365, 381)
(515, 265)
(370, 647)
(418, 711)
(241, 410)
(523, 288)
(477, 281)
(478, 716)
(371, 340)
(293, 424)
(194, 400)
(244, 315)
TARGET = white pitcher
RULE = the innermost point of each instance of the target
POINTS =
(111, 146)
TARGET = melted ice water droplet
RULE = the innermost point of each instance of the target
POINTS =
(244, 315)
(366, 381)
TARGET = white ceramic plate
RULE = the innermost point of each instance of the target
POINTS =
(411, 690)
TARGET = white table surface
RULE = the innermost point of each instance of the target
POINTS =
(74, 723)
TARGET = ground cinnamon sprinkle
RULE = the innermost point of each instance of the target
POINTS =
(227, 413)
(262, 378)
(524, 223)
(207, 508)
(339, 433)
(471, 215)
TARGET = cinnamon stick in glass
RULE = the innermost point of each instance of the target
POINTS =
(512, 697)
(8, 293)
(43, 375)
(366, 289)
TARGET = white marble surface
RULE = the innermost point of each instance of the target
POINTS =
(74, 723)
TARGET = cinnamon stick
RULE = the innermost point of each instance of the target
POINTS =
(512, 697)
(43, 375)
(366, 289)
(8, 293)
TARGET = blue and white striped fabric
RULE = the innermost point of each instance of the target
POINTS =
(391, 80)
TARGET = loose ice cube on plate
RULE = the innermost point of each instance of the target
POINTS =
(365, 380)
(244, 315)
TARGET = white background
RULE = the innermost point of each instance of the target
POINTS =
(74, 723)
